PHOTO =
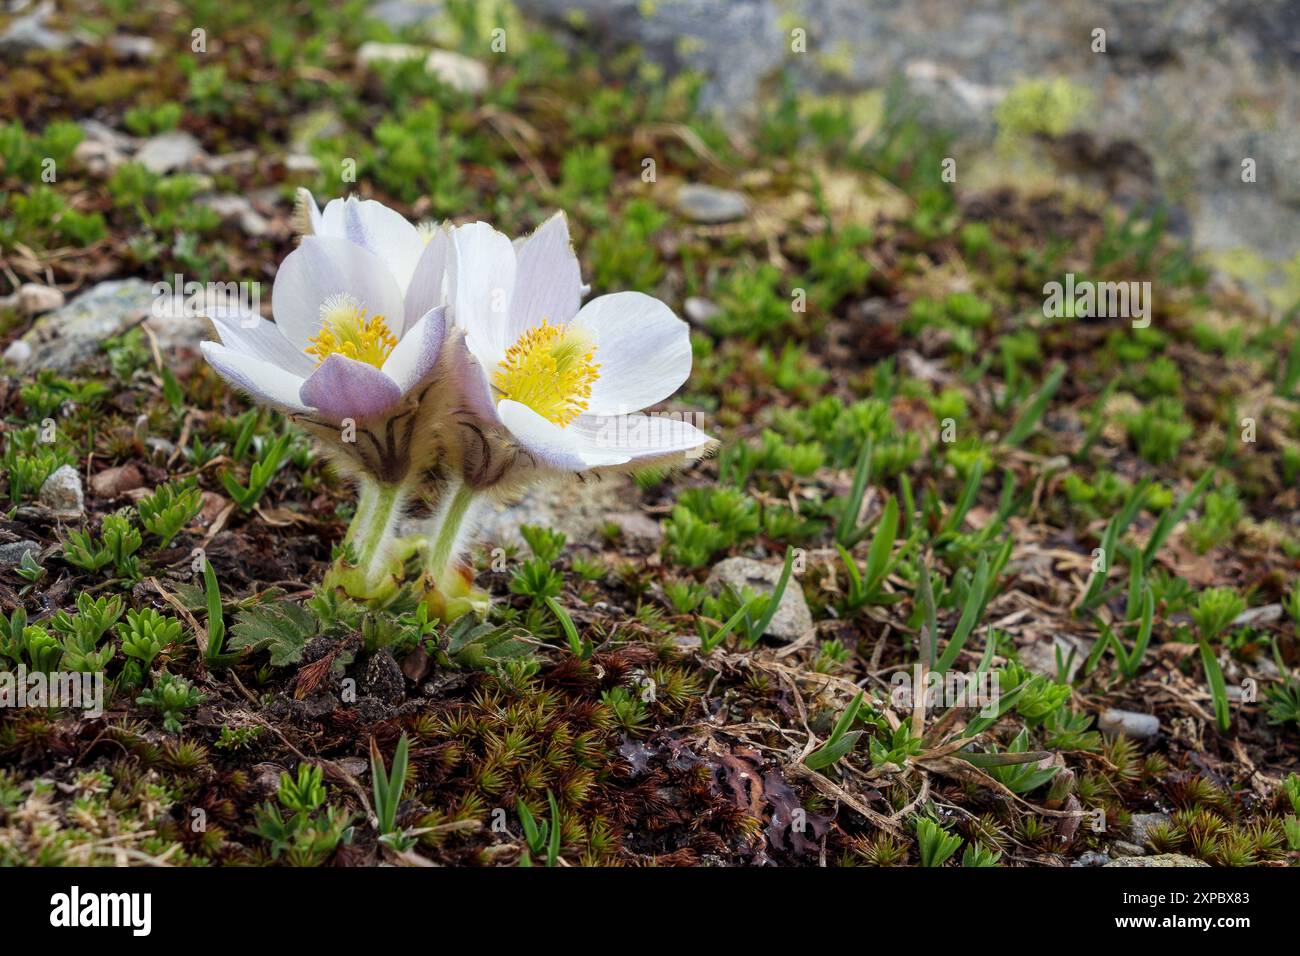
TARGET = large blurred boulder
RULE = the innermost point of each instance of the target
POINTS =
(1186, 90)
(67, 337)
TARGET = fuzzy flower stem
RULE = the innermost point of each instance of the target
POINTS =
(457, 497)
(449, 585)
(370, 534)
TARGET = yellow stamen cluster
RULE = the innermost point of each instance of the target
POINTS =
(550, 370)
(345, 329)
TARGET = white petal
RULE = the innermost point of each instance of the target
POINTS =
(426, 289)
(551, 446)
(639, 436)
(260, 338)
(548, 283)
(482, 283)
(321, 268)
(314, 216)
(263, 381)
(417, 353)
(379, 230)
(643, 349)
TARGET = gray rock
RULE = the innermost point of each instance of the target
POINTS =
(98, 132)
(239, 159)
(353, 766)
(1166, 118)
(239, 210)
(373, 51)
(66, 338)
(792, 619)
(405, 13)
(1040, 656)
(168, 152)
(578, 509)
(709, 204)
(32, 298)
(699, 311)
(637, 527)
(736, 44)
(302, 163)
(1127, 722)
(30, 33)
(1265, 614)
(1141, 825)
(18, 352)
(1159, 860)
(1091, 858)
(459, 72)
(62, 494)
(35, 299)
(1124, 848)
(131, 47)
(103, 148)
(11, 554)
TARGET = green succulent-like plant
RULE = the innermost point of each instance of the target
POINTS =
(171, 696)
(145, 633)
(934, 843)
(306, 837)
(169, 509)
(82, 632)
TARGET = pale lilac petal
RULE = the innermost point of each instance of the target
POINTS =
(345, 388)
(550, 446)
(482, 282)
(643, 349)
(379, 230)
(262, 381)
(473, 389)
(260, 338)
(640, 436)
(321, 268)
(548, 284)
(426, 288)
(417, 353)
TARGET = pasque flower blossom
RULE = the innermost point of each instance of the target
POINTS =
(548, 387)
(455, 363)
(352, 356)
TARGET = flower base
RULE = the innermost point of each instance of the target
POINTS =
(454, 595)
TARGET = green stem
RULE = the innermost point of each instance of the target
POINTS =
(378, 510)
(365, 506)
(457, 497)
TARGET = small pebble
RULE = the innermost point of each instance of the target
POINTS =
(62, 493)
(1124, 848)
(1141, 825)
(11, 554)
(1160, 860)
(1131, 724)
(35, 299)
(710, 205)
(700, 312)
(18, 352)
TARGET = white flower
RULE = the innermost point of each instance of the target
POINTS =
(546, 385)
(359, 327)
